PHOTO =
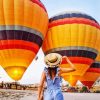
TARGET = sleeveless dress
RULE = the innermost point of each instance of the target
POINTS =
(53, 91)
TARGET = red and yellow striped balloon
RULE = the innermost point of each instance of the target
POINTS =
(92, 74)
(75, 35)
(23, 25)
(88, 79)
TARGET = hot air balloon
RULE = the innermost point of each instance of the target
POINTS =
(88, 79)
(92, 74)
(75, 35)
(23, 25)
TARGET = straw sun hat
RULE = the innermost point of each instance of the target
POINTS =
(53, 59)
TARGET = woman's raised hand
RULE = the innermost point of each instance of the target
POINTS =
(65, 57)
(71, 64)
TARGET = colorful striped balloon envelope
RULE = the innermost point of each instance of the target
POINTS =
(92, 74)
(75, 35)
(23, 25)
(88, 79)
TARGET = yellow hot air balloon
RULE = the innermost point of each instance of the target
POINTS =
(75, 35)
(23, 25)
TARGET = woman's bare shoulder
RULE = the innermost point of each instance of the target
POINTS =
(43, 73)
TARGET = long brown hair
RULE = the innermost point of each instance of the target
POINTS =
(50, 70)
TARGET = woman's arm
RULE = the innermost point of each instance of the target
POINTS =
(40, 88)
(66, 70)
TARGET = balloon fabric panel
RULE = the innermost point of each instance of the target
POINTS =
(23, 26)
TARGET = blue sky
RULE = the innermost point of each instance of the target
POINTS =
(91, 7)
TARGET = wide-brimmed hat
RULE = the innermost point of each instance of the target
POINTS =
(53, 59)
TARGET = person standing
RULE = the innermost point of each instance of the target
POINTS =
(52, 76)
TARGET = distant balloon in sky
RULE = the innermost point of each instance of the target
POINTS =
(75, 35)
(23, 25)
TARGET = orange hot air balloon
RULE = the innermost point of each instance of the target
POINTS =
(89, 77)
(92, 74)
(23, 25)
(75, 35)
